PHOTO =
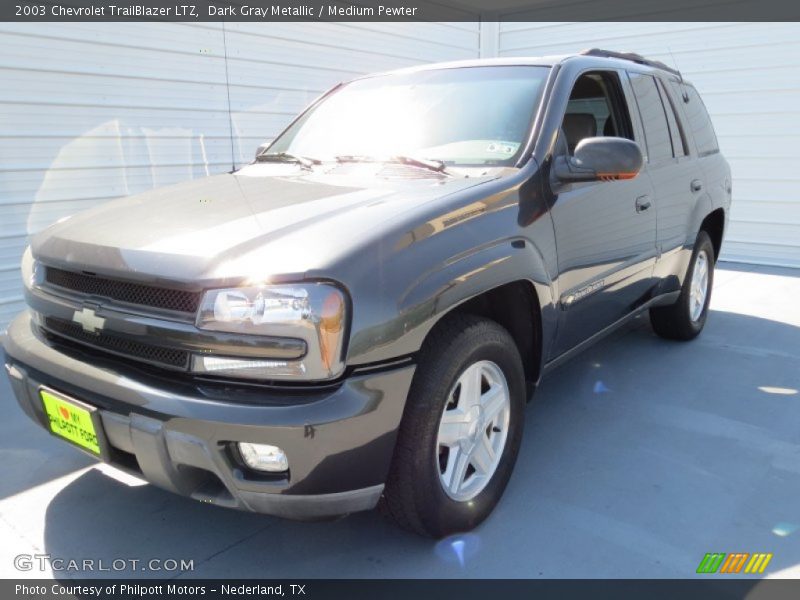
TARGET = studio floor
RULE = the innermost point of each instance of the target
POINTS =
(639, 457)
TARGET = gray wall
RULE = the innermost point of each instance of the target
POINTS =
(95, 111)
(749, 77)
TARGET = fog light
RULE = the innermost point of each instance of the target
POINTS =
(263, 457)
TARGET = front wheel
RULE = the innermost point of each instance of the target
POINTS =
(685, 319)
(461, 429)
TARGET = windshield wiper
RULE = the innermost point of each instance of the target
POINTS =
(304, 161)
(437, 166)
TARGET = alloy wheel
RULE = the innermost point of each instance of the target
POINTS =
(473, 430)
(698, 292)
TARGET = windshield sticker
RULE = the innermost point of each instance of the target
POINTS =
(502, 148)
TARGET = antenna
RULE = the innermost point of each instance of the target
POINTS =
(675, 62)
(684, 93)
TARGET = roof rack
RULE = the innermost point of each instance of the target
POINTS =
(633, 57)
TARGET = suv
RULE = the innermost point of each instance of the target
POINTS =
(359, 316)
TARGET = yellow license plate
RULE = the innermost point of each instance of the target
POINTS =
(70, 421)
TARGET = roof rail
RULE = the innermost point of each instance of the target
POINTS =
(633, 57)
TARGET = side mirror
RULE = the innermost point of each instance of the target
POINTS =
(600, 159)
(263, 147)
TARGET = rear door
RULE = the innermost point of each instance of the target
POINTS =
(676, 176)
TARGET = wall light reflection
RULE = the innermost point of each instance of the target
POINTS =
(600, 387)
(783, 529)
(458, 548)
(780, 391)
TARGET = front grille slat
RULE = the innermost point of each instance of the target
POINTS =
(124, 291)
(159, 355)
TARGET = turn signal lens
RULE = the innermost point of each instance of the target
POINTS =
(252, 368)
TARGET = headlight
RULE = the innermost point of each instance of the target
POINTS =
(315, 313)
(29, 268)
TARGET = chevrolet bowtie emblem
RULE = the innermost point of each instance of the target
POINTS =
(87, 319)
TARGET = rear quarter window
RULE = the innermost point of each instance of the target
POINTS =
(698, 120)
(679, 147)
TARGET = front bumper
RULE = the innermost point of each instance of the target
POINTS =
(178, 433)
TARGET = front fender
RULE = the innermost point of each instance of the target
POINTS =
(445, 286)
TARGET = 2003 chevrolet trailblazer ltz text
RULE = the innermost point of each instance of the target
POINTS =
(358, 317)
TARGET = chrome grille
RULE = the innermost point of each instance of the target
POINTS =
(124, 291)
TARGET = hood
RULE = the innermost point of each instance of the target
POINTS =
(263, 220)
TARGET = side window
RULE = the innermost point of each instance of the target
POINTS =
(596, 107)
(699, 122)
(679, 147)
(654, 118)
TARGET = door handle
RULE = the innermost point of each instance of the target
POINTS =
(696, 185)
(643, 203)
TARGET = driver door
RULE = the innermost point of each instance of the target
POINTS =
(605, 230)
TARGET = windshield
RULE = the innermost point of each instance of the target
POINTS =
(477, 116)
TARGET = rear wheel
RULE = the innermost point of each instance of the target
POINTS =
(685, 319)
(461, 430)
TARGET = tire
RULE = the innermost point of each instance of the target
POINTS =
(681, 320)
(459, 352)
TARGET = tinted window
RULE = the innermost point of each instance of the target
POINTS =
(679, 147)
(654, 119)
(595, 109)
(700, 122)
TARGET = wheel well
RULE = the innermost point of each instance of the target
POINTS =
(713, 225)
(515, 306)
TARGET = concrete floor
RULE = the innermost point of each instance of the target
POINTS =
(639, 457)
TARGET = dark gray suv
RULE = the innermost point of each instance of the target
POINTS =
(359, 316)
